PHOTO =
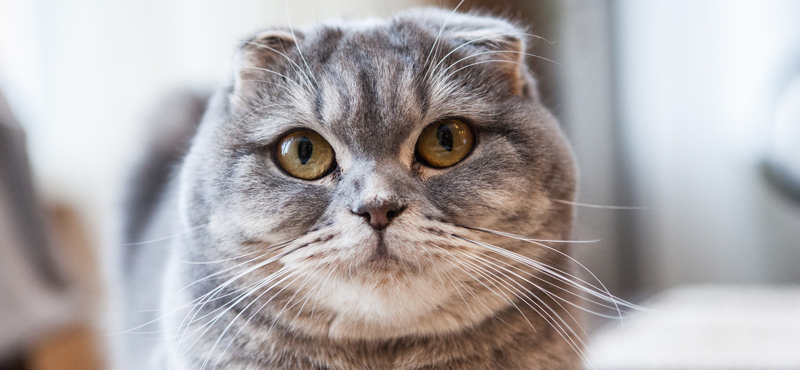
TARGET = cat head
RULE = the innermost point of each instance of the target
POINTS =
(359, 165)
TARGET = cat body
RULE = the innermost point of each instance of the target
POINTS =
(386, 259)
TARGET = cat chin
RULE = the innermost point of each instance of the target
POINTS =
(372, 304)
(379, 324)
(442, 323)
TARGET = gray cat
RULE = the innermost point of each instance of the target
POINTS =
(365, 195)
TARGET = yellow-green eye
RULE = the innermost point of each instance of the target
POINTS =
(305, 154)
(445, 143)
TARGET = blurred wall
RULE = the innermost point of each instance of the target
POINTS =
(698, 88)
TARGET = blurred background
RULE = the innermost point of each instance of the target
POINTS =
(684, 116)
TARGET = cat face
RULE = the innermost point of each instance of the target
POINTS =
(381, 237)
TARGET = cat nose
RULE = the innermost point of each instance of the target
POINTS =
(380, 215)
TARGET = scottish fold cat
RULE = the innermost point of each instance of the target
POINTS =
(380, 194)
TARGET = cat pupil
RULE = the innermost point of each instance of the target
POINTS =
(305, 149)
(445, 137)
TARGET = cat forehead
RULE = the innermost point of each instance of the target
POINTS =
(370, 79)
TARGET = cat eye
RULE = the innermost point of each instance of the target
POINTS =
(304, 154)
(445, 143)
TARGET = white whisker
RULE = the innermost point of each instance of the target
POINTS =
(219, 338)
(567, 291)
(295, 66)
(587, 205)
(439, 35)
(491, 52)
(558, 274)
(605, 295)
(547, 313)
(475, 297)
(494, 279)
(167, 237)
(236, 302)
(485, 38)
(299, 51)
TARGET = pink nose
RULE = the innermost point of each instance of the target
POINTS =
(379, 216)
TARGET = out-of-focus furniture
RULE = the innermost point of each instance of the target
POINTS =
(705, 327)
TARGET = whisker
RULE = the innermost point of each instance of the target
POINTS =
(252, 288)
(194, 302)
(167, 237)
(560, 288)
(436, 271)
(439, 35)
(560, 275)
(275, 320)
(532, 241)
(270, 249)
(607, 294)
(475, 297)
(524, 238)
(295, 66)
(538, 267)
(306, 298)
(218, 261)
(494, 52)
(545, 291)
(547, 314)
(452, 282)
(587, 205)
(238, 300)
(484, 62)
(219, 338)
(320, 291)
(485, 38)
(232, 303)
(478, 271)
(299, 51)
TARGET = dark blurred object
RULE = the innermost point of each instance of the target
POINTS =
(20, 203)
(45, 267)
(782, 167)
(780, 170)
(782, 179)
(16, 362)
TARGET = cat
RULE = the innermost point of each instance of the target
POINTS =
(377, 194)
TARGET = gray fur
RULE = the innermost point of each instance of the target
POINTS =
(431, 298)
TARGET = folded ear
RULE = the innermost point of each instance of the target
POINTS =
(507, 50)
(264, 57)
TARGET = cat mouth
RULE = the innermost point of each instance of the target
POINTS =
(380, 247)
(381, 252)
(383, 258)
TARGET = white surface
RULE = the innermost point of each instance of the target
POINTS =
(706, 327)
